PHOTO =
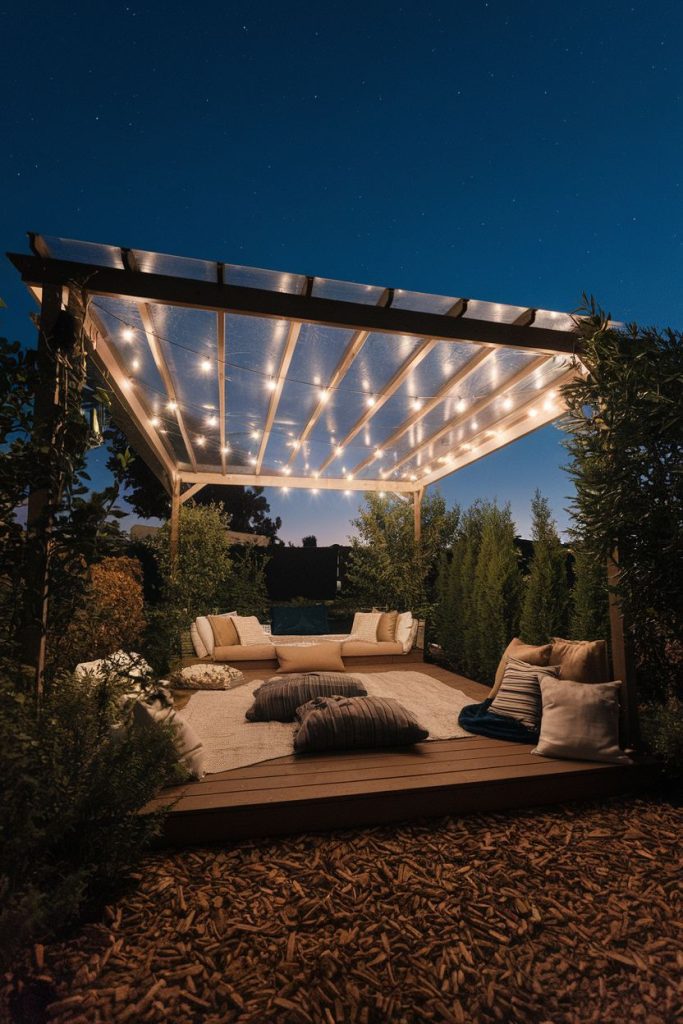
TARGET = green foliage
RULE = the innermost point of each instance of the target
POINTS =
(479, 592)
(589, 617)
(386, 566)
(74, 779)
(311, 541)
(247, 587)
(626, 438)
(546, 592)
(662, 727)
(199, 583)
(497, 591)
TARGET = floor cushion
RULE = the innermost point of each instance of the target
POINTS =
(580, 722)
(478, 719)
(350, 723)
(323, 657)
(277, 699)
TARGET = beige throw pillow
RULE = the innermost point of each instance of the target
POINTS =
(224, 632)
(583, 661)
(580, 722)
(529, 653)
(323, 657)
(386, 629)
(249, 630)
(365, 625)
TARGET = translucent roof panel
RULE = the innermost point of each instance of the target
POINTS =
(400, 392)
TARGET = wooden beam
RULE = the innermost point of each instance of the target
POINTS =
(513, 426)
(473, 410)
(128, 259)
(354, 346)
(174, 536)
(295, 482)
(190, 492)
(196, 294)
(431, 403)
(623, 662)
(417, 513)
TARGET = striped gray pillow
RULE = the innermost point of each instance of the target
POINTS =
(348, 723)
(519, 695)
(278, 699)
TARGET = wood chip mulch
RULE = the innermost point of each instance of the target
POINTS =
(568, 914)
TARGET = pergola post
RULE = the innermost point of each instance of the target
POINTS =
(58, 335)
(417, 513)
(175, 523)
(623, 663)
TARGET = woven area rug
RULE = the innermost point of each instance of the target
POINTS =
(232, 742)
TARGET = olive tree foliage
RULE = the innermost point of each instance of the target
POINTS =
(625, 440)
(546, 592)
(387, 566)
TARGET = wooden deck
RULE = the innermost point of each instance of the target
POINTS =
(325, 791)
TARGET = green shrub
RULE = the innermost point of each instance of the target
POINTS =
(546, 592)
(75, 777)
(662, 728)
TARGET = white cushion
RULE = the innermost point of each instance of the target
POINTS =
(206, 633)
(580, 721)
(404, 626)
(365, 626)
(121, 663)
(249, 630)
(188, 744)
(197, 642)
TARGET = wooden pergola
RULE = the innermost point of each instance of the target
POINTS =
(223, 374)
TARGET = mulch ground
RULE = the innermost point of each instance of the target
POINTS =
(567, 914)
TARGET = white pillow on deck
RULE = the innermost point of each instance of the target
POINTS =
(250, 631)
(580, 721)
(188, 744)
(206, 633)
(365, 626)
(197, 642)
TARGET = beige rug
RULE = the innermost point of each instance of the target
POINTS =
(232, 742)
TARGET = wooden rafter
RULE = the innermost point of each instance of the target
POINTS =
(354, 346)
(453, 381)
(197, 294)
(295, 482)
(128, 259)
(472, 410)
(392, 386)
(220, 370)
(505, 431)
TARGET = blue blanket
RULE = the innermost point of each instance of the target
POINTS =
(478, 719)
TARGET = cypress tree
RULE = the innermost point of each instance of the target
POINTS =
(497, 586)
(546, 594)
(589, 618)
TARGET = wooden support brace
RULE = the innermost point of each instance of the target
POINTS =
(623, 662)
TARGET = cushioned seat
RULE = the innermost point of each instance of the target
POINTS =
(363, 648)
(246, 652)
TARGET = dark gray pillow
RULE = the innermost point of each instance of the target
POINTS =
(278, 699)
(348, 723)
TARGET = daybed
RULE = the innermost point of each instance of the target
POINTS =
(359, 644)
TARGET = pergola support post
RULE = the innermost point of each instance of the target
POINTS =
(59, 332)
(175, 523)
(623, 662)
(417, 513)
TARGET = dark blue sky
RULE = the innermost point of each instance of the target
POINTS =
(517, 152)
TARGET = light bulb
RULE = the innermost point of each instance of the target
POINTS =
(382, 494)
(155, 421)
(255, 435)
(316, 381)
(370, 401)
(285, 490)
(349, 476)
(171, 406)
(135, 364)
(252, 461)
(201, 441)
(205, 365)
(379, 453)
(462, 405)
(271, 385)
(507, 404)
(225, 450)
(413, 477)
(127, 333)
(473, 425)
(314, 490)
(533, 413)
(417, 404)
(339, 450)
(347, 493)
(324, 395)
(212, 421)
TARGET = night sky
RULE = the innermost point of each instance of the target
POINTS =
(515, 152)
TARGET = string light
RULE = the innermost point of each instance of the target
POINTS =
(533, 413)
(379, 453)
(271, 385)
(255, 435)
(324, 395)
(382, 494)
(339, 450)
(416, 404)
(135, 364)
(252, 461)
(212, 421)
(205, 365)
(462, 405)
(201, 441)
(155, 421)
(285, 490)
(347, 493)
(128, 334)
(349, 476)
(286, 470)
(225, 450)
(172, 406)
(507, 404)
(474, 425)
(370, 401)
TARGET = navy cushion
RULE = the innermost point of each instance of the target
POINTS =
(478, 719)
(302, 620)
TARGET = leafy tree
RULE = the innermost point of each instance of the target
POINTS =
(247, 507)
(199, 582)
(309, 542)
(546, 593)
(625, 423)
(248, 588)
(589, 616)
(386, 565)
(497, 589)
